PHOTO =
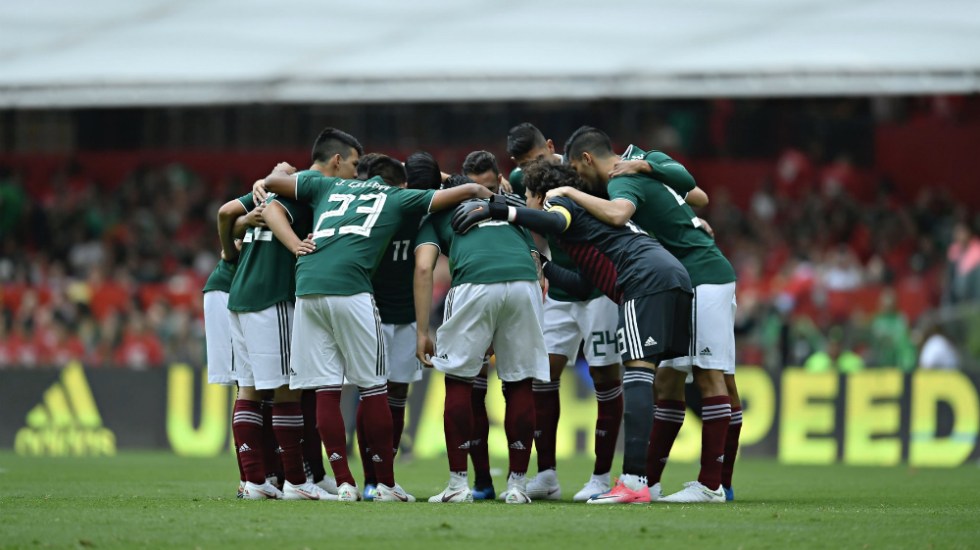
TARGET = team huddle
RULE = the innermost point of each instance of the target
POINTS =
(326, 280)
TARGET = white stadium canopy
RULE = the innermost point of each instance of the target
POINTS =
(69, 53)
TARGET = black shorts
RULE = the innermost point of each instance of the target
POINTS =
(655, 327)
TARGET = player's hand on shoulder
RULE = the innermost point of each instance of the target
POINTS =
(468, 214)
(259, 193)
(254, 218)
(505, 185)
(513, 199)
(562, 191)
(627, 167)
(285, 168)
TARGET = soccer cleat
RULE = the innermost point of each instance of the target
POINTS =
(305, 491)
(694, 491)
(458, 490)
(516, 492)
(484, 493)
(328, 484)
(655, 492)
(621, 493)
(383, 493)
(274, 481)
(729, 494)
(254, 491)
(544, 486)
(369, 491)
(595, 486)
(241, 490)
(348, 493)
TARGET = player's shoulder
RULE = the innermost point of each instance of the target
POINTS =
(563, 202)
(633, 152)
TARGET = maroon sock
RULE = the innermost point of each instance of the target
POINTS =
(667, 422)
(731, 446)
(330, 423)
(312, 450)
(247, 426)
(457, 420)
(377, 432)
(519, 423)
(287, 422)
(479, 449)
(547, 409)
(273, 465)
(362, 447)
(609, 397)
(397, 407)
(716, 415)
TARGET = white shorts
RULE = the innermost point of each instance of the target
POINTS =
(260, 343)
(567, 324)
(338, 337)
(505, 315)
(400, 341)
(217, 337)
(713, 344)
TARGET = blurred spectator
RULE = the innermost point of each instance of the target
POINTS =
(835, 357)
(937, 351)
(891, 345)
(963, 273)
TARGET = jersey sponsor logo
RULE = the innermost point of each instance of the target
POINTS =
(705, 352)
(257, 234)
(650, 342)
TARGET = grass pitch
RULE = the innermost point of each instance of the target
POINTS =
(158, 500)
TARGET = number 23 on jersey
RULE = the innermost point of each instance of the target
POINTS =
(366, 213)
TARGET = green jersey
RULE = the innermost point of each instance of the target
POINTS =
(220, 278)
(265, 274)
(662, 212)
(516, 180)
(354, 222)
(490, 252)
(393, 290)
(561, 258)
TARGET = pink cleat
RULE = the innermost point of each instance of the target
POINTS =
(621, 494)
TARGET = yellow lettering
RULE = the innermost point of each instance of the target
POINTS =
(800, 419)
(207, 439)
(758, 395)
(929, 388)
(867, 421)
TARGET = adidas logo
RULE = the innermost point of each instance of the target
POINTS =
(650, 342)
(721, 458)
(244, 448)
(375, 458)
(465, 446)
(706, 352)
(537, 434)
(518, 446)
(292, 372)
(67, 421)
(334, 457)
(601, 433)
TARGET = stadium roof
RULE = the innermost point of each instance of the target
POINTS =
(71, 53)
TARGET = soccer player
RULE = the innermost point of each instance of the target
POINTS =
(663, 211)
(494, 301)
(392, 285)
(337, 332)
(652, 288)
(260, 302)
(217, 333)
(482, 168)
(568, 324)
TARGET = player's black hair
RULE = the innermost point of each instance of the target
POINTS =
(364, 165)
(541, 176)
(332, 141)
(522, 138)
(455, 180)
(389, 169)
(479, 162)
(422, 171)
(588, 140)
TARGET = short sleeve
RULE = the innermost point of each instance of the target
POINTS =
(247, 202)
(415, 200)
(628, 188)
(310, 186)
(427, 234)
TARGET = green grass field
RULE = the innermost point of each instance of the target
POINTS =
(158, 500)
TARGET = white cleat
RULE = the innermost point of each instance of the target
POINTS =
(694, 491)
(544, 486)
(328, 484)
(595, 486)
(516, 492)
(458, 490)
(656, 494)
(266, 491)
(348, 493)
(383, 493)
(305, 491)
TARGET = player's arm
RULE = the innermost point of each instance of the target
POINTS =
(252, 219)
(281, 181)
(426, 255)
(614, 212)
(696, 197)
(664, 169)
(228, 215)
(568, 280)
(277, 218)
(554, 221)
(446, 198)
